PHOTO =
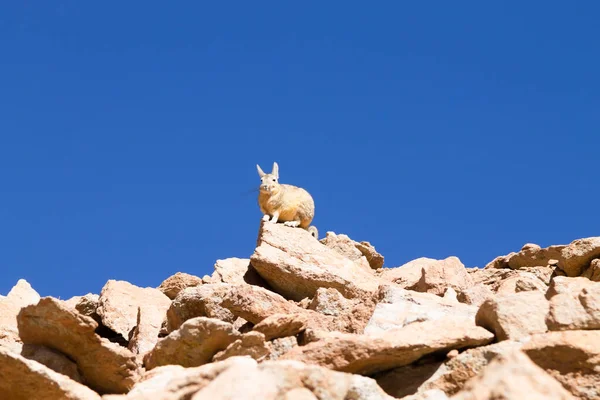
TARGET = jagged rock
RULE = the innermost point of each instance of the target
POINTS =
(193, 344)
(515, 315)
(118, 307)
(243, 378)
(199, 301)
(280, 346)
(21, 295)
(513, 376)
(531, 255)
(146, 333)
(574, 304)
(329, 302)
(593, 272)
(251, 344)
(52, 359)
(406, 275)
(571, 357)
(475, 295)
(237, 271)
(375, 259)
(578, 255)
(296, 265)
(438, 276)
(366, 354)
(176, 283)
(448, 376)
(105, 366)
(23, 379)
(282, 325)
(85, 305)
(522, 282)
(346, 247)
(399, 307)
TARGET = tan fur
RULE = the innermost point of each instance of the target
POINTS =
(285, 203)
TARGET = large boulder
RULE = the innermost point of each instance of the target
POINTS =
(574, 304)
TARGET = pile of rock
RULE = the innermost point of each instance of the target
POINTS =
(303, 319)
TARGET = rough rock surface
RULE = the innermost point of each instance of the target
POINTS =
(531, 255)
(406, 275)
(52, 359)
(514, 316)
(574, 304)
(513, 376)
(21, 295)
(442, 274)
(399, 307)
(593, 272)
(106, 367)
(282, 325)
(176, 283)
(369, 354)
(123, 307)
(296, 265)
(23, 379)
(251, 344)
(578, 255)
(86, 305)
(193, 344)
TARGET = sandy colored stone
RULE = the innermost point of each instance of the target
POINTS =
(530, 255)
(176, 283)
(105, 366)
(296, 265)
(515, 315)
(193, 344)
(21, 295)
(282, 325)
(593, 272)
(574, 304)
(85, 305)
(406, 275)
(346, 247)
(121, 303)
(475, 295)
(437, 276)
(374, 258)
(513, 376)
(251, 344)
(571, 357)
(199, 301)
(366, 354)
(398, 308)
(23, 379)
(521, 282)
(280, 346)
(52, 359)
(578, 255)
(237, 271)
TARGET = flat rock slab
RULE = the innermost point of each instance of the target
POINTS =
(366, 354)
(23, 379)
(296, 265)
(106, 367)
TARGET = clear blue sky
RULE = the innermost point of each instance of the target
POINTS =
(129, 131)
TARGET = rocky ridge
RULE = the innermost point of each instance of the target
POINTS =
(304, 319)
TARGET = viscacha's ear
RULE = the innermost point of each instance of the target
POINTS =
(260, 171)
(275, 170)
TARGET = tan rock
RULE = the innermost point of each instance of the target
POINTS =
(398, 308)
(514, 316)
(438, 276)
(300, 394)
(406, 275)
(24, 379)
(475, 295)
(296, 266)
(513, 376)
(366, 354)
(52, 359)
(176, 283)
(578, 255)
(282, 325)
(193, 344)
(574, 304)
(118, 307)
(448, 377)
(329, 302)
(571, 357)
(105, 366)
(593, 272)
(531, 255)
(521, 282)
(251, 344)
(375, 259)
(280, 346)
(238, 271)
(85, 305)
(21, 295)
(346, 247)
